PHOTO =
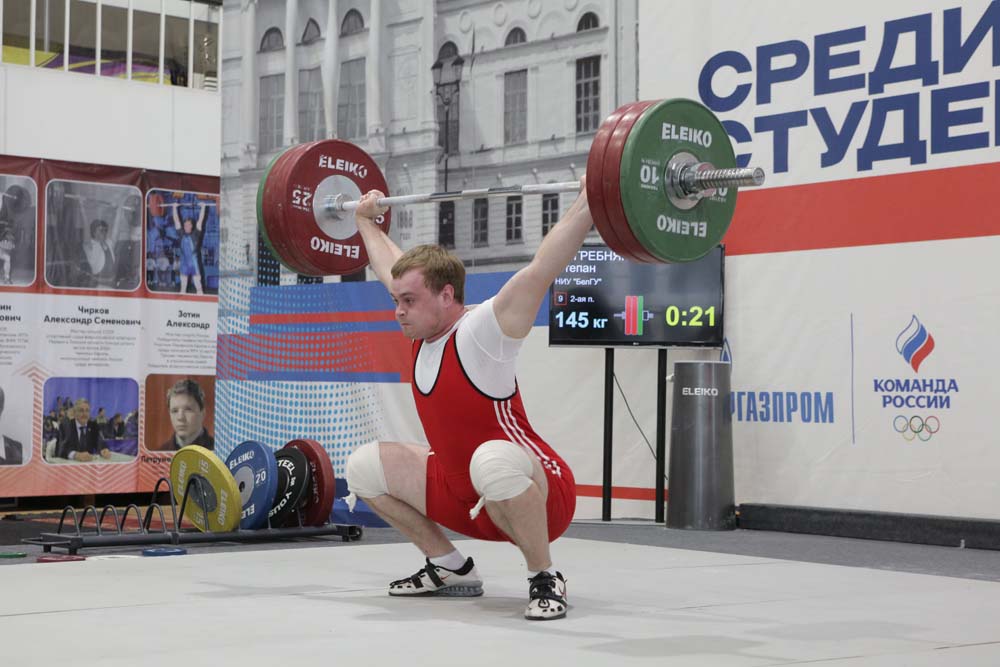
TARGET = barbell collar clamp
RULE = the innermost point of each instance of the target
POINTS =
(694, 181)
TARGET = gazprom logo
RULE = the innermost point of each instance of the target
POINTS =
(783, 405)
(915, 344)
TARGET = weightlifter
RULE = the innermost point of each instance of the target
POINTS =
(483, 454)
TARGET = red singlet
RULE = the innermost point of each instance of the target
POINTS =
(458, 417)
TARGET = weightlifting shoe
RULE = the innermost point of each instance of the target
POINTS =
(547, 597)
(436, 580)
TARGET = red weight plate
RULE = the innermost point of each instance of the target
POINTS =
(322, 486)
(612, 184)
(59, 558)
(297, 253)
(275, 214)
(595, 182)
(332, 245)
(325, 169)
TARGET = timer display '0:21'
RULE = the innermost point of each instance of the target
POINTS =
(693, 316)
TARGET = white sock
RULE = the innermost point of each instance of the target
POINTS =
(550, 569)
(453, 561)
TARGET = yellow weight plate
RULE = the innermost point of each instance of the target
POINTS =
(221, 501)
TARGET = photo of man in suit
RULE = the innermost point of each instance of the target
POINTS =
(80, 437)
(11, 451)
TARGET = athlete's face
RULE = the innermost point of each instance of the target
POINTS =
(421, 312)
(186, 416)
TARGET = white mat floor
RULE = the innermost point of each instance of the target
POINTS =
(630, 605)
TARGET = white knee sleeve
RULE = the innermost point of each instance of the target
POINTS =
(500, 470)
(365, 476)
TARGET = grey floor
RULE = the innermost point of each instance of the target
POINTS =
(640, 594)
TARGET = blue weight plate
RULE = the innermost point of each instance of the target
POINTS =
(256, 473)
(164, 551)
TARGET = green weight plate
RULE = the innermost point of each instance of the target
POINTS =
(220, 509)
(667, 231)
(261, 221)
(12, 554)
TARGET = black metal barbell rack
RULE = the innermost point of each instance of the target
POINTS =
(75, 537)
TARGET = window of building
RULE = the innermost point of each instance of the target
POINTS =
(514, 219)
(83, 36)
(175, 46)
(480, 222)
(448, 116)
(588, 94)
(312, 124)
(16, 29)
(272, 112)
(550, 212)
(206, 46)
(515, 36)
(146, 41)
(311, 33)
(351, 120)
(352, 23)
(50, 18)
(588, 22)
(131, 33)
(447, 97)
(446, 224)
(272, 41)
(114, 33)
(268, 268)
(359, 276)
(515, 107)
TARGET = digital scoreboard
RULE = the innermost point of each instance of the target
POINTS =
(602, 299)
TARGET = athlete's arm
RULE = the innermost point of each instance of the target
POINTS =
(201, 216)
(382, 252)
(517, 302)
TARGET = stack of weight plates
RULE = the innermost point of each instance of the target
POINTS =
(626, 181)
(255, 487)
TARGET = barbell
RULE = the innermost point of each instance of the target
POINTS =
(661, 184)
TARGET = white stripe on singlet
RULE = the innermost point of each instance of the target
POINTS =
(507, 421)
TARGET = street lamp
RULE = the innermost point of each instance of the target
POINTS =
(447, 92)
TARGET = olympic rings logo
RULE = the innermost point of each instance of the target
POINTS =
(916, 427)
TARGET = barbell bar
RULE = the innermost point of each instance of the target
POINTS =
(662, 182)
(687, 181)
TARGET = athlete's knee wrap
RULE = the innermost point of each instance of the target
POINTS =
(365, 476)
(500, 470)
